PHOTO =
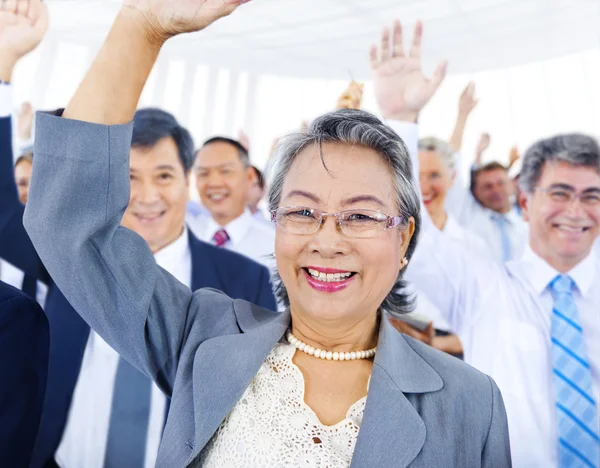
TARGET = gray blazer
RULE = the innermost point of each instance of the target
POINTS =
(424, 409)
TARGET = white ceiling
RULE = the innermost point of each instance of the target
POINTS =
(330, 38)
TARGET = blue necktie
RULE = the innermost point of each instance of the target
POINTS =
(504, 239)
(577, 412)
(129, 416)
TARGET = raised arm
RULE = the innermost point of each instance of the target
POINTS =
(440, 269)
(18, 37)
(80, 189)
(466, 104)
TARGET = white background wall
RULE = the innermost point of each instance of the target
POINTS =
(518, 105)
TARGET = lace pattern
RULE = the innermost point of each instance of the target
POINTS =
(271, 425)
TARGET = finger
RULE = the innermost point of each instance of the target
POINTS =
(23, 8)
(415, 48)
(10, 6)
(438, 76)
(397, 45)
(385, 45)
(373, 55)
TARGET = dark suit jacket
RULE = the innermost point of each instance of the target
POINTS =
(24, 342)
(236, 275)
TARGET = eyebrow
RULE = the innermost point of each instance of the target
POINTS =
(162, 167)
(220, 166)
(572, 189)
(346, 202)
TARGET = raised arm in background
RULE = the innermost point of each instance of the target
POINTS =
(466, 104)
(447, 274)
(19, 35)
(80, 190)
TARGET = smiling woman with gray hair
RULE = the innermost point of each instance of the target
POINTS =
(329, 382)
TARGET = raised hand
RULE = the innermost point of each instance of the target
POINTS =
(401, 88)
(514, 156)
(351, 98)
(467, 101)
(23, 24)
(482, 145)
(167, 18)
(244, 139)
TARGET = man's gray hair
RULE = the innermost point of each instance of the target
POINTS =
(572, 148)
(354, 128)
(443, 149)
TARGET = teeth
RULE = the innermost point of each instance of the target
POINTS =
(570, 228)
(328, 277)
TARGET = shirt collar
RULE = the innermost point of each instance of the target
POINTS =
(174, 252)
(511, 217)
(539, 273)
(236, 229)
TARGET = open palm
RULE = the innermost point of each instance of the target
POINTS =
(400, 86)
(22, 30)
(169, 18)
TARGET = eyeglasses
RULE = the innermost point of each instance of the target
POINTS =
(565, 196)
(353, 223)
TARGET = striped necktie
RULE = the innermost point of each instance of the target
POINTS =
(220, 238)
(576, 410)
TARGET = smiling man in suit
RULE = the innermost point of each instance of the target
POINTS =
(98, 411)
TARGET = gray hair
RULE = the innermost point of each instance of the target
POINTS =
(354, 128)
(572, 148)
(443, 149)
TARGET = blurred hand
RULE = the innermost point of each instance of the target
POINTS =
(23, 24)
(482, 145)
(351, 98)
(401, 89)
(167, 18)
(25, 121)
(467, 101)
(424, 336)
(514, 156)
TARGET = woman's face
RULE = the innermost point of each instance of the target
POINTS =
(435, 179)
(355, 178)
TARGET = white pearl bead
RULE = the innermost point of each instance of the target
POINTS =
(328, 355)
(323, 354)
(353, 355)
(347, 356)
(363, 354)
(318, 352)
(336, 356)
(311, 351)
(342, 357)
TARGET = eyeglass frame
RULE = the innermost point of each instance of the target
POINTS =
(573, 194)
(391, 221)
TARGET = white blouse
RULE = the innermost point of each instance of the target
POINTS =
(271, 425)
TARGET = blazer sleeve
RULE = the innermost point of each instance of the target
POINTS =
(15, 245)
(24, 343)
(79, 192)
(265, 297)
(496, 451)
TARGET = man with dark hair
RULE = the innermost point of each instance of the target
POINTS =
(98, 411)
(485, 208)
(224, 177)
(256, 193)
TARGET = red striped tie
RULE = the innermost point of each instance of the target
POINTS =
(220, 238)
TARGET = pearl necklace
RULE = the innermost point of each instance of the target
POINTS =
(322, 354)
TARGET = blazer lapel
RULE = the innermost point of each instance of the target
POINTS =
(392, 433)
(225, 365)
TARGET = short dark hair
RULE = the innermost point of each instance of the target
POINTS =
(242, 152)
(24, 157)
(491, 166)
(260, 178)
(152, 125)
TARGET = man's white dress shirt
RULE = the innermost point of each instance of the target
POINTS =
(502, 314)
(470, 214)
(247, 236)
(84, 441)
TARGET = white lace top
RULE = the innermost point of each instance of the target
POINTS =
(271, 425)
